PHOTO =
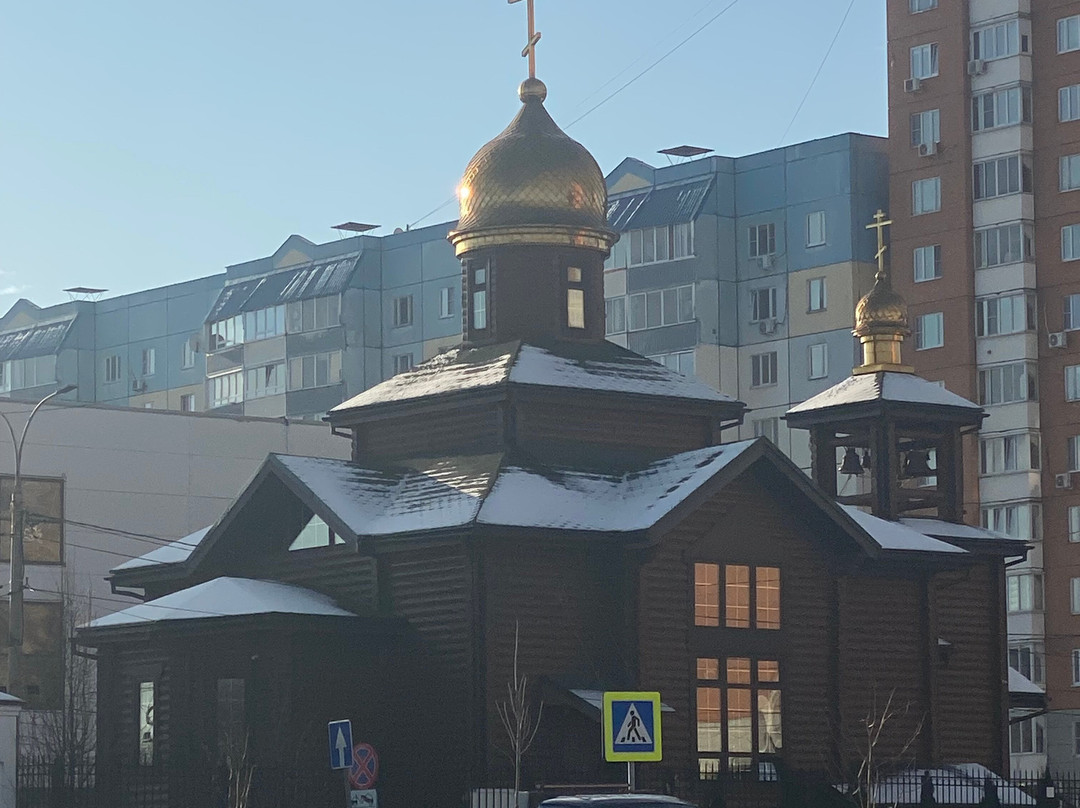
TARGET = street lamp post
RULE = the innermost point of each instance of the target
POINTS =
(15, 587)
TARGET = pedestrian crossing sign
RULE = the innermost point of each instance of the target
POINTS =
(632, 727)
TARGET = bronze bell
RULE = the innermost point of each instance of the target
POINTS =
(917, 464)
(866, 460)
(851, 464)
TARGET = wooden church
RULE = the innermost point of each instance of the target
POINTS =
(539, 482)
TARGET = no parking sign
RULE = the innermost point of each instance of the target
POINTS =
(364, 770)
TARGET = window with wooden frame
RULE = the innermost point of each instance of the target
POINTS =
(575, 298)
(738, 715)
(751, 596)
(478, 289)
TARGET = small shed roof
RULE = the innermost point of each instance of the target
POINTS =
(225, 597)
(172, 553)
(897, 535)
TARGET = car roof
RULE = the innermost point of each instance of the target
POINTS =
(615, 800)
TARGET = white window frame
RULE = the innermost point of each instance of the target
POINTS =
(998, 41)
(1005, 106)
(1071, 314)
(1069, 172)
(1002, 244)
(763, 304)
(672, 306)
(924, 61)
(926, 340)
(1073, 516)
(818, 360)
(615, 315)
(998, 382)
(113, 369)
(1001, 176)
(817, 295)
(1006, 454)
(919, 6)
(403, 363)
(767, 428)
(1069, 103)
(925, 128)
(1074, 595)
(187, 402)
(149, 361)
(1068, 34)
(1073, 454)
(998, 315)
(919, 262)
(762, 239)
(446, 302)
(226, 388)
(1072, 382)
(1070, 242)
(1024, 592)
(1076, 669)
(815, 228)
(925, 196)
(764, 369)
(403, 311)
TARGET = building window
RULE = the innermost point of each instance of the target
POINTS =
(315, 533)
(403, 363)
(679, 361)
(313, 314)
(1074, 595)
(751, 596)
(268, 380)
(762, 304)
(921, 5)
(998, 41)
(1018, 520)
(226, 333)
(1076, 676)
(1005, 453)
(1027, 660)
(651, 245)
(996, 108)
(231, 719)
(615, 315)
(762, 239)
(819, 361)
(1002, 176)
(479, 313)
(929, 331)
(763, 369)
(815, 228)
(1004, 244)
(767, 428)
(187, 353)
(227, 389)
(924, 61)
(1072, 312)
(925, 196)
(446, 302)
(1070, 242)
(738, 711)
(112, 370)
(22, 374)
(268, 322)
(1027, 736)
(1068, 34)
(187, 402)
(146, 723)
(316, 370)
(925, 128)
(1072, 383)
(403, 310)
(1074, 523)
(927, 262)
(575, 298)
(1005, 384)
(1069, 172)
(1074, 453)
(149, 361)
(1025, 592)
(1069, 103)
(815, 288)
(1007, 314)
(662, 307)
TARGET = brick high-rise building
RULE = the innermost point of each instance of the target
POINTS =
(984, 131)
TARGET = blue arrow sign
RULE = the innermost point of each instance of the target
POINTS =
(340, 736)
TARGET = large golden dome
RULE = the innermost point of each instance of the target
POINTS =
(533, 185)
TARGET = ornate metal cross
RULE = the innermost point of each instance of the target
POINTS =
(880, 223)
(534, 37)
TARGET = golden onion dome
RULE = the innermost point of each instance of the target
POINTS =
(882, 309)
(532, 185)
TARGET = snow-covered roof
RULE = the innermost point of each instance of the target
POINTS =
(1018, 683)
(595, 699)
(225, 597)
(605, 368)
(883, 386)
(172, 553)
(952, 530)
(960, 784)
(896, 535)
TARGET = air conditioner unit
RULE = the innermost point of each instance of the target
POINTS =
(976, 67)
(912, 85)
(138, 385)
(1057, 339)
(927, 149)
(1063, 480)
(767, 327)
(766, 262)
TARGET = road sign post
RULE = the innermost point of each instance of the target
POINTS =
(339, 734)
(632, 730)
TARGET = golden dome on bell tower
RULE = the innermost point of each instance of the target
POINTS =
(532, 185)
(881, 318)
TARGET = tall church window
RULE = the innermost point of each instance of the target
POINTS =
(146, 723)
(738, 712)
(751, 596)
(575, 298)
(479, 286)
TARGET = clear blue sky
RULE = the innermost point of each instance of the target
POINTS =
(146, 143)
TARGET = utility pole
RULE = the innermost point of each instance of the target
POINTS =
(18, 567)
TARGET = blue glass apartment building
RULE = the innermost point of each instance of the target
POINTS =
(743, 271)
